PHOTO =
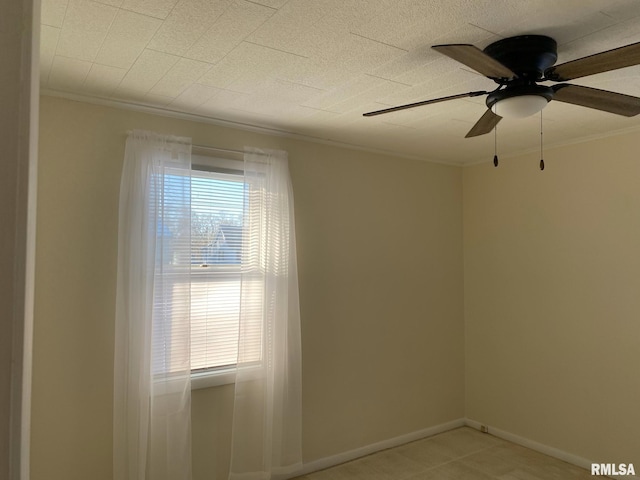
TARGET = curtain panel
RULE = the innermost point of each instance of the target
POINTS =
(152, 394)
(267, 415)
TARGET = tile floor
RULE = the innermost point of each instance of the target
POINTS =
(460, 454)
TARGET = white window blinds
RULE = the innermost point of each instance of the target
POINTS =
(219, 205)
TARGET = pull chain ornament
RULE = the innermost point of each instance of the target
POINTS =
(541, 159)
(495, 146)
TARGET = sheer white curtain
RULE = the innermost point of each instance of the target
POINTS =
(266, 429)
(152, 394)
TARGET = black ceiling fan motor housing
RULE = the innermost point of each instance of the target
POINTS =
(526, 55)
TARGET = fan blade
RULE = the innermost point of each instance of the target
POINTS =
(473, 57)
(425, 102)
(605, 100)
(487, 122)
(598, 63)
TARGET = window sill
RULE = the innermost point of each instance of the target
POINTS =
(225, 376)
(214, 378)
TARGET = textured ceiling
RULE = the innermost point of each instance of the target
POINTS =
(312, 67)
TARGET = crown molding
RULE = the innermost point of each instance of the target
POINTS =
(564, 143)
(261, 129)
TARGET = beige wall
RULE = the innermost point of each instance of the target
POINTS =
(380, 264)
(552, 298)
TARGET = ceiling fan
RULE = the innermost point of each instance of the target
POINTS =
(519, 64)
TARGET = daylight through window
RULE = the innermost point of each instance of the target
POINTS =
(217, 206)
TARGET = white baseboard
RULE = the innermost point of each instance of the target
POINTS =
(339, 458)
(546, 449)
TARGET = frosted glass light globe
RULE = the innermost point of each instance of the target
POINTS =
(520, 106)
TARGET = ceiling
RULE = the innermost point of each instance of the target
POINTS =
(312, 67)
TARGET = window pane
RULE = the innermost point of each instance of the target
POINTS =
(217, 202)
(215, 310)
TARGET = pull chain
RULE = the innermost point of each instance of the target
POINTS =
(541, 159)
(495, 146)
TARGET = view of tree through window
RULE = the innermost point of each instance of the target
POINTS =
(217, 202)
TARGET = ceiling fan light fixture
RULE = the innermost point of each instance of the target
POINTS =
(519, 101)
(519, 107)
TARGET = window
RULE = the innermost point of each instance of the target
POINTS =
(219, 204)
